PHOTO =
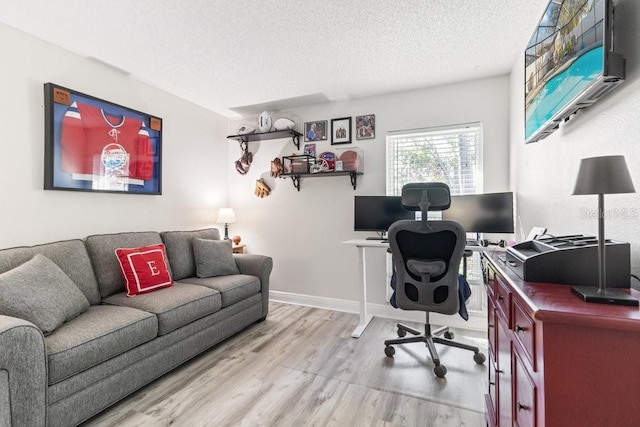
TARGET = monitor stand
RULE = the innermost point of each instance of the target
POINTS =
(380, 236)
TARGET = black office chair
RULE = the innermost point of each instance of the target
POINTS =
(426, 259)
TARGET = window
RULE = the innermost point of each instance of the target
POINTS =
(449, 154)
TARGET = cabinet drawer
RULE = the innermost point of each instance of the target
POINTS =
(502, 299)
(524, 395)
(524, 331)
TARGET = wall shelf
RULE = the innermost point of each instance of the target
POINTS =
(296, 176)
(245, 139)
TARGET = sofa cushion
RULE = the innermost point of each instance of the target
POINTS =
(175, 306)
(144, 269)
(40, 292)
(102, 251)
(214, 258)
(180, 250)
(70, 255)
(233, 288)
(90, 339)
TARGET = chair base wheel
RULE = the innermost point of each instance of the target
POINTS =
(389, 351)
(449, 335)
(479, 358)
(401, 332)
(440, 371)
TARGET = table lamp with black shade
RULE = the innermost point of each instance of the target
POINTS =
(226, 217)
(603, 175)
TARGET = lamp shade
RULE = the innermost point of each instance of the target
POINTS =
(226, 216)
(603, 175)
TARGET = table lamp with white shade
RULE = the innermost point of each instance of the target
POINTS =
(603, 175)
(226, 217)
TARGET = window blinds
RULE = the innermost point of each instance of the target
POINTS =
(449, 154)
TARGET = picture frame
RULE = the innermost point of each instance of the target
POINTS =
(99, 146)
(315, 131)
(310, 149)
(341, 131)
(366, 126)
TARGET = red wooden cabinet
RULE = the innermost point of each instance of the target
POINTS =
(555, 360)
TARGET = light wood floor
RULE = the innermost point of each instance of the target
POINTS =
(302, 368)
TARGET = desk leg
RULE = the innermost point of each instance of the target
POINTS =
(364, 317)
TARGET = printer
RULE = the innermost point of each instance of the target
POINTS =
(571, 260)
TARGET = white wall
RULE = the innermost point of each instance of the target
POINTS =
(302, 230)
(194, 161)
(544, 172)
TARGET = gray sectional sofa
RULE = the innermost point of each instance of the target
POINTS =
(71, 368)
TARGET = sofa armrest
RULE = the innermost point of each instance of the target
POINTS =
(23, 373)
(259, 266)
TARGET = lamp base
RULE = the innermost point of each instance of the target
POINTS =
(608, 296)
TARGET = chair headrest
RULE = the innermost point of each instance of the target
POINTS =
(437, 195)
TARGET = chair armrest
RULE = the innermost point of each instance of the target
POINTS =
(261, 267)
(23, 373)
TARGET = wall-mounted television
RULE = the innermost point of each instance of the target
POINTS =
(569, 63)
(482, 213)
(377, 213)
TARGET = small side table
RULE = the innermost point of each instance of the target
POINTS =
(238, 249)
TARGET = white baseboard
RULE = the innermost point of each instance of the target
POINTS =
(477, 321)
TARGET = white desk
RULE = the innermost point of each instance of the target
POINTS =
(363, 244)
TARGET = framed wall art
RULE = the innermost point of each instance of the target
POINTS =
(341, 131)
(366, 126)
(315, 131)
(310, 149)
(96, 145)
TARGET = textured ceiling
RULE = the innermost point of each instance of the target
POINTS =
(230, 55)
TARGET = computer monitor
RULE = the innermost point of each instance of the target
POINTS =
(377, 213)
(482, 213)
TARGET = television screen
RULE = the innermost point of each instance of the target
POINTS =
(482, 213)
(565, 58)
(377, 213)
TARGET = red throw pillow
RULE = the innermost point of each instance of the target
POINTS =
(144, 269)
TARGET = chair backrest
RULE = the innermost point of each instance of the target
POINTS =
(426, 254)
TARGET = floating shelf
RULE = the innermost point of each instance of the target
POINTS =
(245, 139)
(295, 177)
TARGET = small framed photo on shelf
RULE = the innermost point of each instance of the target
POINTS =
(341, 131)
(366, 126)
(310, 149)
(315, 131)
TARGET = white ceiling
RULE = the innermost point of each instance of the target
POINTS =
(243, 56)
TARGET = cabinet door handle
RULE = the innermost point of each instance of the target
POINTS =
(511, 263)
(490, 325)
(522, 407)
(500, 297)
(520, 328)
(490, 383)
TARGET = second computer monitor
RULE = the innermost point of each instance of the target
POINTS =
(482, 213)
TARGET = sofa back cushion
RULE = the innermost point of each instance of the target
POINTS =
(180, 250)
(70, 255)
(102, 251)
